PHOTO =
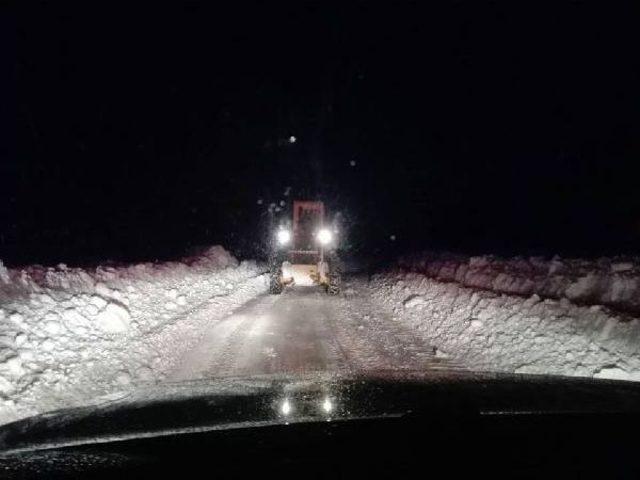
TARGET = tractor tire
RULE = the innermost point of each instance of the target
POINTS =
(275, 285)
(334, 287)
(335, 275)
(275, 273)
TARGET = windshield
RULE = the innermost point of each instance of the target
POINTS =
(193, 194)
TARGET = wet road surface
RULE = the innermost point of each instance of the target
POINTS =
(304, 330)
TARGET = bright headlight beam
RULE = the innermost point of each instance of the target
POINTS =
(285, 407)
(325, 236)
(327, 405)
(283, 236)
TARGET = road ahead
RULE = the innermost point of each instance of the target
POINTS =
(305, 330)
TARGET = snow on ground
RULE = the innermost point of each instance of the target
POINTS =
(490, 314)
(614, 282)
(68, 335)
(71, 335)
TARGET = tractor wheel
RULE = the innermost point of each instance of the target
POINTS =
(275, 285)
(335, 276)
(275, 273)
(334, 287)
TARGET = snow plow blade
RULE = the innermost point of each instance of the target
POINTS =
(303, 274)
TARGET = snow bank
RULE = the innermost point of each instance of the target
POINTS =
(489, 331)
(68, 335)
(614, 282)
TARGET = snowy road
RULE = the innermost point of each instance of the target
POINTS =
(69, 336)
(305, 330)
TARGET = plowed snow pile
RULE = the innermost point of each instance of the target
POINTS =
(522, 315)
(68, 335)
(614, 282)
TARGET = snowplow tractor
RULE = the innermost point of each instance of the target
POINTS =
(304, 252)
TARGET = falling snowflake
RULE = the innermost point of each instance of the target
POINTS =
(292, 139)
(259, 201)
(352, 163)
(287, 191)
(282, 203)
(392, 238)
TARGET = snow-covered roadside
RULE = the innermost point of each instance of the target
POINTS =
(68, 335)
(490, 331)
(614, 282)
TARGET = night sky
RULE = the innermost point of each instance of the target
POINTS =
(141, 133)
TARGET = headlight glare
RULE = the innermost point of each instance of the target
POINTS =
(325, 236)
(283, 236)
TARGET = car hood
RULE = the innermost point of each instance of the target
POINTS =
(255, 401)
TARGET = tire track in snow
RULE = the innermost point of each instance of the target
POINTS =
(303, 330)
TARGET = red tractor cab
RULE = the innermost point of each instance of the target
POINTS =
(305, 251)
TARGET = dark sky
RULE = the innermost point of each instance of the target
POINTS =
(488, 127)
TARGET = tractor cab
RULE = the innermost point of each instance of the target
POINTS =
(304, 253)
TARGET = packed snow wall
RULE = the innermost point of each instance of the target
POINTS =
(68, 335)
(561, 317)
(614, 282)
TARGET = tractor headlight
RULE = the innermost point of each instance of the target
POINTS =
(283, 237)
(325, 236)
